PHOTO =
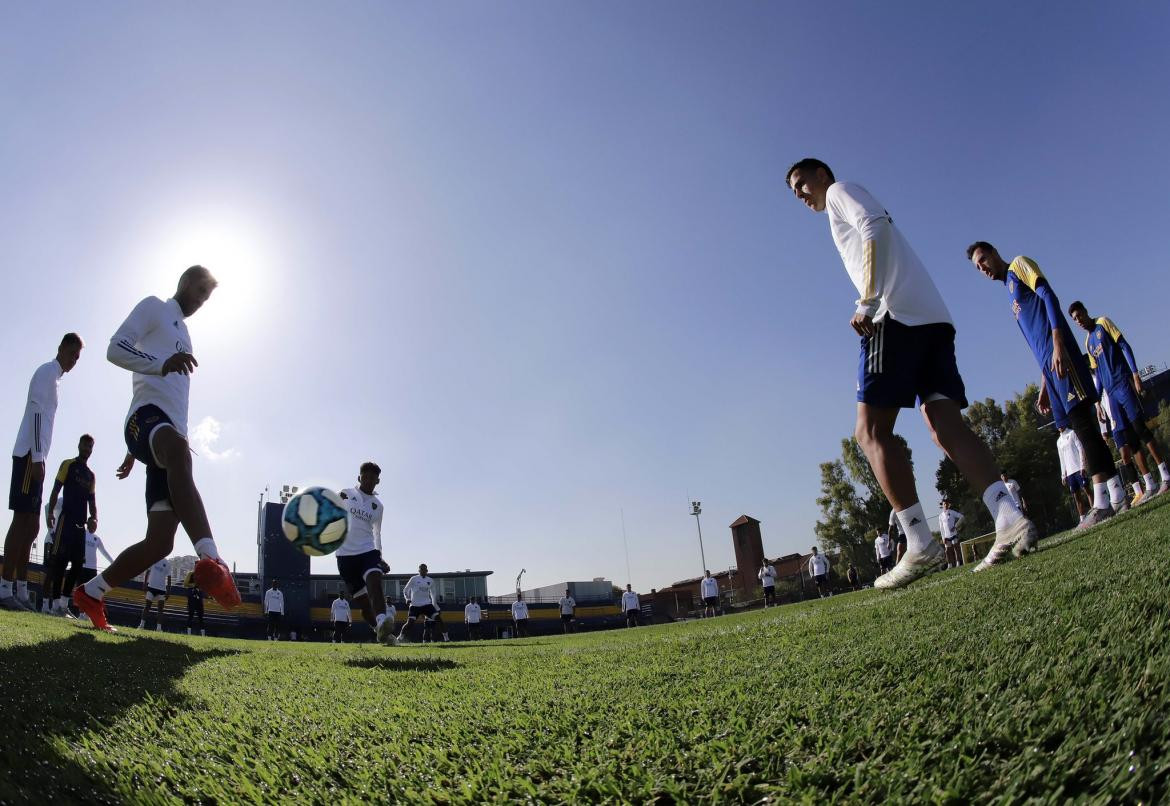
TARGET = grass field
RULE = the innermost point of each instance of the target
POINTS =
(1048, 679)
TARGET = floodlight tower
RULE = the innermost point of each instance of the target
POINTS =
(522, 570)
(697, 510)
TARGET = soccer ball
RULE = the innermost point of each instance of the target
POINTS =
(315, 521)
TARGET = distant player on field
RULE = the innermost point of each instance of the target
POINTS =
(158, 585)
(568, 606)
(472, 615)
(1072, 476)
(818, 569)
(709, 591)
(767, 577)
(341, 615)
(76, 489)
(28, 471)
(948, 527)
(631, 606)
(1066, 385)
(1115, 369)
(194, 604)
(422, 597)
(883, 551)
(1017, 494)
(520, 616)
(359, 560)
(155, 345)
(274, 610)
(907, 355)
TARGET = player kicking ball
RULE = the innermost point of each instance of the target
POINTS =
(359, 560)
(154, 344)
(907, 354)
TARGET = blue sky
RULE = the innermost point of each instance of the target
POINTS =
(538, 259)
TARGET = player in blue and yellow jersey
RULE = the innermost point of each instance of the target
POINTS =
(1115, 371)
(1066, 384)
(77, 487)
(907, 360)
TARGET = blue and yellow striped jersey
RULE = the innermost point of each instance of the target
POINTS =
(1107, 350)
(1023, 280)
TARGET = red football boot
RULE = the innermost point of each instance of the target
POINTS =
(216, 581)
(94, 608)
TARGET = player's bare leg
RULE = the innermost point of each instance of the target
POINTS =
(22, 531)
(961, 445)
(161, 527)
(875, 436)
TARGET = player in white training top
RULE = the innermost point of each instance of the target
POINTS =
(907, 356)
(631, 606)
(767, 577)
(158, 585)
(359, 560)
(520, 616)
(568, 606)
(1072, 470)
(155, 346)
(28, 471)
(341, 616)
(472, 616)
(948, 526)
(422, 597)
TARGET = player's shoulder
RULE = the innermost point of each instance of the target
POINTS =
(347, 493)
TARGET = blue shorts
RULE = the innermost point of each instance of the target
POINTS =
(24, 494)
(140, 429)
(1075, 481)
(1128, 416)
(354, 568)
(1074, 389)
(900, 364)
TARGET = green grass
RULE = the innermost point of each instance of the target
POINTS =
(1046, 679)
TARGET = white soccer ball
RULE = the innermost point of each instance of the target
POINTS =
(315, 521)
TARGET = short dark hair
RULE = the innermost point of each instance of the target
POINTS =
(370, 467)
(984, 245)
(808, 164)
(71, 340)
(1077, 305)
(86, 438)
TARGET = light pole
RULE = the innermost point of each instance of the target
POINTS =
(522, 570)
(697, 510)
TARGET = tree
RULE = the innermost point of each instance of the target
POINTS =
(852, 506)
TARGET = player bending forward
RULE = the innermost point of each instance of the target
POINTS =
(153, 343)
(907, 355)
(359, 560)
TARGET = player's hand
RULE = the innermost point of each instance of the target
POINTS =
(385, 566)
(1060, 360)
(862, 324)
(1137, 382)
(123, 470)
(1100, 413)
(182, 363)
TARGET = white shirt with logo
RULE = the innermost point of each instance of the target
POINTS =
(420, 591)
(40, 410)
(767, 576)
(883, 546)
(948, 523)
(341, 611)
(274, 601)
(156, 576)
(472, 613)
(152, 333)
(709, 587)
(365, 523)
(1072, 455)
(630, 601)
(818, 564)
(519, 610)
(567, 604)
(93, 544)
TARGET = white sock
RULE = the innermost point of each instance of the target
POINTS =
(1149, 480)
(999, 502)
(5, 588)
(1165, 473)
(1116, 490)
(1101, 493)
(63, 601)
(98, 587)
(1137, 489)
(22, 590)
(913, 521)
(205, 548)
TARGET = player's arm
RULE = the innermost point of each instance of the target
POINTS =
(40, 396)
(102, 548)
(1126, 351)
(92, 500)
(142, 320)
(872, 222)
(123, 470)
(58, 483)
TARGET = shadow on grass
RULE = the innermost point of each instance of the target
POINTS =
(403, 664)
(59, 688)
(498, 643)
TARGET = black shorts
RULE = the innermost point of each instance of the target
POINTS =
(24, 494)
(354, 568)
(70, 539)
(85, 575)
(140, 429)
(770, 590)
(821, 579)
(711, 601)
(900, 364)
(421, 610)
(632, 612)
(566, 616)
(155, 595)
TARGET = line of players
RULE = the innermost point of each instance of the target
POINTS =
(907, 359)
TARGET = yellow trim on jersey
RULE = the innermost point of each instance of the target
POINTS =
(1026, 269)
(869, 257)
(1110, 328)
(1088, 352)
(63, 471)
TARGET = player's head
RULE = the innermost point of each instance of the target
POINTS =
(85, 446)
(986, 258)
(69, 351)
(566, 591)
(810, 180)
(275, 584)
(1004, 477)
(1080, 315)
(369, 474)
(814, 549)
(91, 524)
(628, 587)
(340, 596)
(706, 573)
(422, 569)
(195, 286)
(519, 596)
